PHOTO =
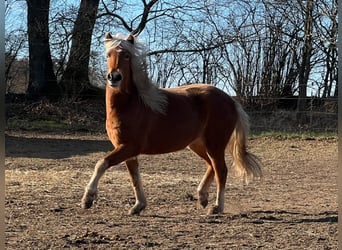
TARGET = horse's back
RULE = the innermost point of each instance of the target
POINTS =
(216, 110)
(205, 91)
(208, 97)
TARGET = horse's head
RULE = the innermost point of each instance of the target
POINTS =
(119, 57)
(127, 71)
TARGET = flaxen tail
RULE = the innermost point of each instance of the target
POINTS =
(245, 163)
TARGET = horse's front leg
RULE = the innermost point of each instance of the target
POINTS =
(117, 156)
(140, 200)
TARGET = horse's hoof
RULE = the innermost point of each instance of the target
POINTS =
(203, 198)
(137, 209)
(134, 212)
(214, 210)
(86, 204)
(203, 203)
(87, 200)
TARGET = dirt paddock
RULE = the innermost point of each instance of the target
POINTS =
(293, 207)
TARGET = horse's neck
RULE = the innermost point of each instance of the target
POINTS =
(116, 99)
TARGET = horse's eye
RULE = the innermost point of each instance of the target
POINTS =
(127, 57)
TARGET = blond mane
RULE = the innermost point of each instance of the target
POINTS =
(150, 94)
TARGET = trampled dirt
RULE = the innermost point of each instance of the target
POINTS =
(293, 207)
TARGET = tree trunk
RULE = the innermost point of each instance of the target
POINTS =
(42, 80)
(305, 66)
(75, 80)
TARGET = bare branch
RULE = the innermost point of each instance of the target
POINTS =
(144, 18)
(110, 13)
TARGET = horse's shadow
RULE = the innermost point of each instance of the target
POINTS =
(282, 216)
(52, 148)
(276, 216)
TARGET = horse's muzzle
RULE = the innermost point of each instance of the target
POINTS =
(114, 78)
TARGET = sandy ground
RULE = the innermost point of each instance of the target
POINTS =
(293, 207)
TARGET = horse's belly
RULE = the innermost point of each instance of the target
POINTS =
(171, 137)
(165, 147)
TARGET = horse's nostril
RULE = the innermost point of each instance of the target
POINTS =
(114, 77)
(117, 77)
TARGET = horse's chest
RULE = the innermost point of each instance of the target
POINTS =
(119, 131)
(113, 131)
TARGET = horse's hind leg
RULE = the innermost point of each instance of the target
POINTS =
(217, 135)
(220, 168)
(204, 185)
(132, 166)
(216, 167)
(202, 190)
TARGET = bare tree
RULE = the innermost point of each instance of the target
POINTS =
(326, 28)
(14, 43)
(305, 64)
(42, 80)
(262, 50)
(269, 49)
(62, 20)
(75, 80)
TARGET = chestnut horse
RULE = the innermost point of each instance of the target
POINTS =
(143, 119)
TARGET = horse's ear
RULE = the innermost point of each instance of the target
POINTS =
(130, 39)
(108, 36)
